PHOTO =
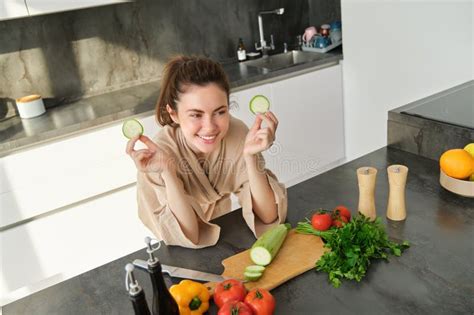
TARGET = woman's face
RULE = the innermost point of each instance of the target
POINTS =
(203, 115)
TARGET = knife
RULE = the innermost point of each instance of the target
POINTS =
(184, 273)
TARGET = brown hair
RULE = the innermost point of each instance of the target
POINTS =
(182, 71)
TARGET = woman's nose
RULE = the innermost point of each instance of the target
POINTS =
(209, 124)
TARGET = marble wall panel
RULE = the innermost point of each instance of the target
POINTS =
(324, 11)
(70, 55)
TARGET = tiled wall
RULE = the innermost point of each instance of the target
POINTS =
(92, 51)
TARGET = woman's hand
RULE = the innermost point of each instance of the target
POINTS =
(259, 139)
(151, 159)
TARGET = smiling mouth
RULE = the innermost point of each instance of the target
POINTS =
(207, 138)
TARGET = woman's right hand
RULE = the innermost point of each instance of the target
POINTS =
(151, 159)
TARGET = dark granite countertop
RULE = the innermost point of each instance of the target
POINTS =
(454, 106)
(99, 111)
(434, 276)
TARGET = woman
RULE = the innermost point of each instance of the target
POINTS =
(200, 157)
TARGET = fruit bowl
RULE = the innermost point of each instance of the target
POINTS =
(460, 187)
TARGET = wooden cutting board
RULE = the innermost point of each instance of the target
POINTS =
(298, 254)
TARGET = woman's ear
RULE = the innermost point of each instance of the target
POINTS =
(173, 114)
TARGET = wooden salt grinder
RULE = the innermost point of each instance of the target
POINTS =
(397, 177)
(367, 177)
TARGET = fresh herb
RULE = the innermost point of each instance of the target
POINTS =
(352, 247)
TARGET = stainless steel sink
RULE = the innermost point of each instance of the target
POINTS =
(284, 60)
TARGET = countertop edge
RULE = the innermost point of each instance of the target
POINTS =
(29, 142)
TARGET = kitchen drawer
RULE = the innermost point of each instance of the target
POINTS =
(64, 172)
(57, 247)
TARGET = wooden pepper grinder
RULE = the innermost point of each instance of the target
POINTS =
(397, 177)
(367, 177)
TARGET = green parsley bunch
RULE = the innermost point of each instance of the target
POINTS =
(352, 247)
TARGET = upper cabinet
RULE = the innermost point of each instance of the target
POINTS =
(36, 7)
(10, 9)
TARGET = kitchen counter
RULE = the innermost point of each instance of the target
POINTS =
(434, 276)
(102, 110)
(434, 124)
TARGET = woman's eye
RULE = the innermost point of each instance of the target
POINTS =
(222, 112)
(195, 115)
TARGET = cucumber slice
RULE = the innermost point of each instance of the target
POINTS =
(255, 268)
(132, 128)
(252, 276)
(260, 256)
(259, 104)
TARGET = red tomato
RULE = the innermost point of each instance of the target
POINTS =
(343, 211)
(339, 221)
(229, 290)
(260, 301)
(321, 221)
(235, 308)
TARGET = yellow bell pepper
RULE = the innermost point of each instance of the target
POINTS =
(192, 297)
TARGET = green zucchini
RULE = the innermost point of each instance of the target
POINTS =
(252, 276)
(259, 104)
(255, 268)
(132, 128)
(268, 244)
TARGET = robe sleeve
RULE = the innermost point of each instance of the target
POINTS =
(154, 212)
(245, 200)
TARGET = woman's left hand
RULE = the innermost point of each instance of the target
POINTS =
(260, 139)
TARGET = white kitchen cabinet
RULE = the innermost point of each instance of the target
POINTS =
(310, 136)
(47, 177)
(56, 247)
(10, 9)
(36, 7)
(239, 102)
(63, 199)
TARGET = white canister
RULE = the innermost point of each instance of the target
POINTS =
(30, 106)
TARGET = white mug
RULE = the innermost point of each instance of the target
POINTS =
(30, 106)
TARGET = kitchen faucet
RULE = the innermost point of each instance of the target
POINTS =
(263, 44)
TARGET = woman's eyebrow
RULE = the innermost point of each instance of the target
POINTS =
(222, 107)
(201, 111)
(195, 110)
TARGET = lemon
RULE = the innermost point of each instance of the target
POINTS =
(470, 148)
(471, 178)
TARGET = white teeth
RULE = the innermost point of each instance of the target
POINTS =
(207, 137)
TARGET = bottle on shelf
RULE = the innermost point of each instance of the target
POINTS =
(241, 53)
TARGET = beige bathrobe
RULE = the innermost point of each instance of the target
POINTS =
(208, 188)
